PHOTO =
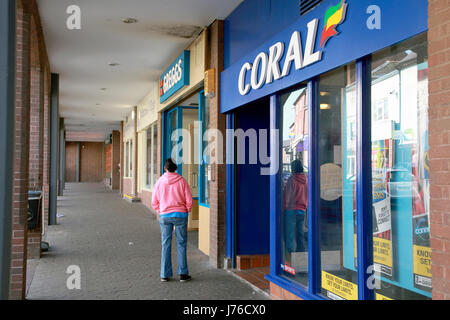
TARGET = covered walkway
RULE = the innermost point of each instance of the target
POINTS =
(116, 245)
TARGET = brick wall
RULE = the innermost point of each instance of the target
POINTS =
(46, 156)
(36, 152)
(31, 143)
(439, 143)
(217, 121)
(21, 153)
(115, 160)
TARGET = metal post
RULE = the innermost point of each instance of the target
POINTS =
(364, 178)
(54, 149)
(7, 100)
(62, 157)
(314, 264)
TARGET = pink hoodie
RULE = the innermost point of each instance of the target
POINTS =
(171, 194)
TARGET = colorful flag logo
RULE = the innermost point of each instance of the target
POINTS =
(334, 16)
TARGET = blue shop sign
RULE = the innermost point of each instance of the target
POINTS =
(335, 33)
(175, 77)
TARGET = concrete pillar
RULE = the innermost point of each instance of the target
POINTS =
(7, 98)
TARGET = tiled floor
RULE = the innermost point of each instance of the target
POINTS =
(255, 277)
(116, 246)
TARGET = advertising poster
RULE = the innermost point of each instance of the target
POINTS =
(421, 191)
(382, 230)
(381, 216)
(339, 289)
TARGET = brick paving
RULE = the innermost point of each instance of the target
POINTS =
(116, 244)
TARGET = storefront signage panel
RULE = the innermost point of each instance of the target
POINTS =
(175, 77)
(335, 33)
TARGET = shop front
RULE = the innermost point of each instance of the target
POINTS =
(183, 106)
(327, 167)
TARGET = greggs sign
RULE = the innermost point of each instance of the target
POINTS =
(266, 67)
(175, 77)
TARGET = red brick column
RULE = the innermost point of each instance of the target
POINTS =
(21, 153)
(218, 181)
(36, 151)
(439, 142)
(46, 147)
(115, 176)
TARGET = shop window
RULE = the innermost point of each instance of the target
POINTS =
(205, 165)
(151, 156)
(127, 154)
(337, 159)
(155, 154)
(295, 185)
(400, 170)
(130, 158)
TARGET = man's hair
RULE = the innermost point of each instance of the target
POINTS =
(297, 166)
(170, 166)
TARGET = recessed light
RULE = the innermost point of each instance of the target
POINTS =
(129, 20)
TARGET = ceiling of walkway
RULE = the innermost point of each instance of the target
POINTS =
(95, 96)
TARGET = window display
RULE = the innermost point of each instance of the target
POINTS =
(295, 185)
(402, 253)
(337, 159)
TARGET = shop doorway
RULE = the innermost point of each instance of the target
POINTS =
(251, 234)
(181, 123)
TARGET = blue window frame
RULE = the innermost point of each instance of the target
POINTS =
(364, 186)
(203, 118)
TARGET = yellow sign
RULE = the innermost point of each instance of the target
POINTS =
(382, 251)
(422, 261)
(345, 289)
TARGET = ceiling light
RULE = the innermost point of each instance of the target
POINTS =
(325, 106)
(129, 20)
(103, 89)
(113, 64)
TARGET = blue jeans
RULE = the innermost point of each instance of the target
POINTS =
(167, 225)
(293, 230)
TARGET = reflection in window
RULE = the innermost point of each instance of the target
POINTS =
(155, 154)
(205, 173)
(295, 185)
(337, 159)
(400, 185)
(151, 156)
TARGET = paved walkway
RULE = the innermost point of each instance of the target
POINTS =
(116, 245)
